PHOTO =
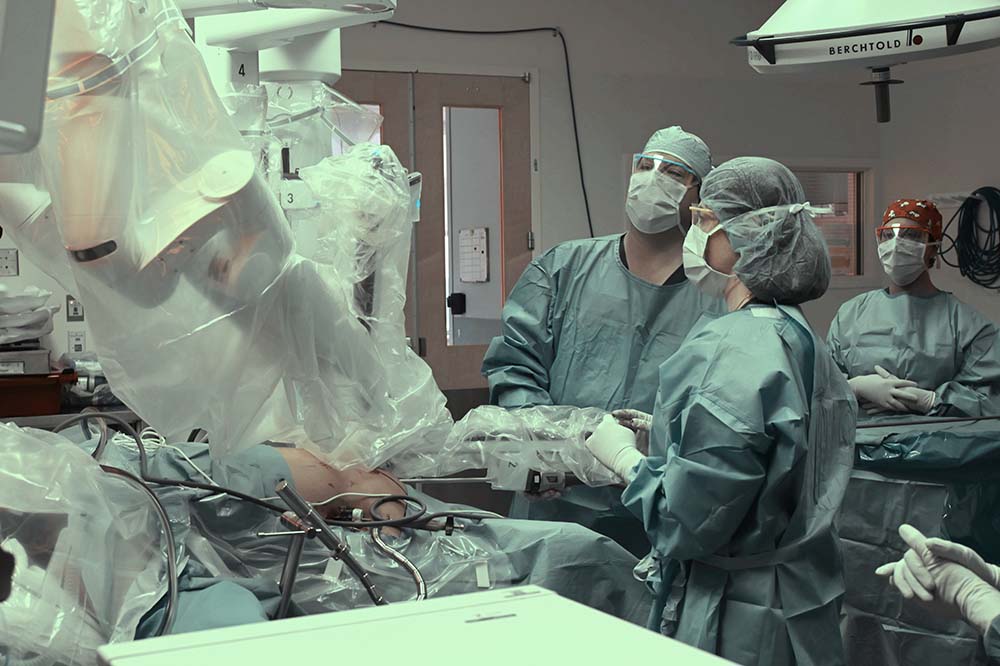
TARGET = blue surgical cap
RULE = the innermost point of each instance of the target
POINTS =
(675, 141)
(783, 257)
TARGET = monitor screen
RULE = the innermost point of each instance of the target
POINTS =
(25, 36)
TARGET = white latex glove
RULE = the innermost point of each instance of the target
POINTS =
(870, 408)
(947, 585)
(881, 389)
(543, 496)
(916, 399)
(968, 558)
(614, 446)
(638, 422)
(633, 419)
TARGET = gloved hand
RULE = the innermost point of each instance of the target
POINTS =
(614, 446)
(968, 558)
(638, 422)
(633, 419)
(543, 496)
(916, 399)
(949, 586)
(881, 389)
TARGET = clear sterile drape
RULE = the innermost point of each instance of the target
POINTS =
(202, 312)
(88, 549)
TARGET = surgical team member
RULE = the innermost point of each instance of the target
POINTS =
(752, 437)
(912, 347)
(950, 578)
(590, 321)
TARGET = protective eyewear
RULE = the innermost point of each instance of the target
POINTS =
(906, 231)
(703, 218)
(707, 220)
(679, 172)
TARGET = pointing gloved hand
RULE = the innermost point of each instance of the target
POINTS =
(882, 390)
(638, 422)
(946, 585)
(968, 558)
(614, 446)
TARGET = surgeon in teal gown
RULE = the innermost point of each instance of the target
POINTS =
(590, 321)
(751, 441)
(915, 332)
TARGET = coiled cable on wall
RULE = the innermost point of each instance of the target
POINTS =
(976, 243)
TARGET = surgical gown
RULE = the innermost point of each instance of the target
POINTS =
(580, 329)
(750, 455)
(937, 341)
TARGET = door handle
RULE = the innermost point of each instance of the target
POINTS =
(456, 303)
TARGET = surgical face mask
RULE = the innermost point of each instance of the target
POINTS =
(706, 278)
(653, 202)
(902, 259)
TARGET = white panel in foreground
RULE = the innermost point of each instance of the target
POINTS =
(524, 626)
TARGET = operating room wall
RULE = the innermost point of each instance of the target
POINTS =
(638, 65)
(943, 139)
(31, 275)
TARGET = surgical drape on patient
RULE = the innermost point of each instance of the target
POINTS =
(88, 548)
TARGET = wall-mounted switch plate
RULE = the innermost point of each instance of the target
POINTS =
(74, 309)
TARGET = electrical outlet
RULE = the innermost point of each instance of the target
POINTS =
(74, 309)
(8, 263)
(77, 341)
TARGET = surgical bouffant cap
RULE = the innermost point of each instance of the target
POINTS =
(783, 257)
(687, 146)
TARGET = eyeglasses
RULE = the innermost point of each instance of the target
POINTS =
(704, 218)
(679, 172)
(907, 232)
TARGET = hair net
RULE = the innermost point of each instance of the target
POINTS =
(783, 256)
(687, 146)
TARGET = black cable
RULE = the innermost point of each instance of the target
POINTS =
(167, 623)
(976, 245)
(379, 520)
(569, 82)
(415, 520)
(144, 464)
(219, 490)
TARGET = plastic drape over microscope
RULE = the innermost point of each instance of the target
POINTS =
(64, 520)
(510, 443)
(211, 305)
(202, 312)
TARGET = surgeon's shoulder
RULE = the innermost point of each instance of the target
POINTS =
(738, 360)
(858, 303)
(969, 318)
(578, 251)
(757, 330)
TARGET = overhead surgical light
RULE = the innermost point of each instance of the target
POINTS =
(807, 34)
